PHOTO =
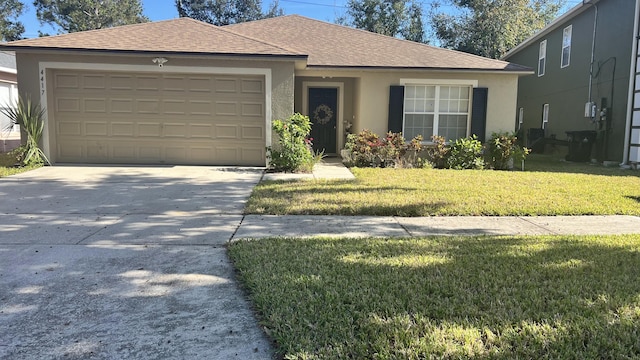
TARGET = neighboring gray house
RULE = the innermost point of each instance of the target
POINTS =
(585, 63)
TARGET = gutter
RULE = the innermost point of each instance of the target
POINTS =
(632, 76)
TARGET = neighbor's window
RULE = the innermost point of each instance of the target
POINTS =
(542, 57)
(545, 115)
(520, 117)
(566, 46)
(436, 110)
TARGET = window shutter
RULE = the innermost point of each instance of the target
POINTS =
(396, 108)
(479, 113)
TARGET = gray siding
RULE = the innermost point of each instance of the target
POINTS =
(566, 89)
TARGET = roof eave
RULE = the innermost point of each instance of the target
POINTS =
(519, 71)
(148, 52)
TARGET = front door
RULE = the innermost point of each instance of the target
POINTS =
(323, 112)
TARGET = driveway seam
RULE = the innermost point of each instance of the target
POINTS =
(102, 228)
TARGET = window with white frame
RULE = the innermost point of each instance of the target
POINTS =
(566, 46)
(520, 117)
(436, 110)
(542, 57)
(545, 115)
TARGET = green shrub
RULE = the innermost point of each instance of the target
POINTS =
(30, 117)
(503, 151)
(370, 150)
(293, 153)
(438, 153)
(466, 153)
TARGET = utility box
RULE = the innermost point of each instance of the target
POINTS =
(580, 145)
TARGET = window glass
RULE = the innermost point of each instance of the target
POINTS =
(542, 57)
(436, 110)
(566, 46)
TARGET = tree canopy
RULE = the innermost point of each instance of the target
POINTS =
(80, 15)
(225, 12)
(490, 28)
(10, 28)
(397, 18)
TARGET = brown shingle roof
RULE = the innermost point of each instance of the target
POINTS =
(181, 35)
(331, 45)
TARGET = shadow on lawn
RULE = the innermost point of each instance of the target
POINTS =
(636, 198)
(455, 297)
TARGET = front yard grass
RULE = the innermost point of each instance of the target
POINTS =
(7, 168)
(446, 297)
(548, 187)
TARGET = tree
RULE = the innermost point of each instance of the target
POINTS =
(490, 28)
(397, 18)
(10, 28)
(225, 12)
(80, 15)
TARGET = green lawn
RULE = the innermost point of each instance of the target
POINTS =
(548, 187)
(7, 168)
(446, 297)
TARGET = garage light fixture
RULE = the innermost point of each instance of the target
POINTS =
(160, 61)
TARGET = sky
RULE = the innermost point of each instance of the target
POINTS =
(325, 10)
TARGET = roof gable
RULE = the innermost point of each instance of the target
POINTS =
(332, 45)
(182, 35)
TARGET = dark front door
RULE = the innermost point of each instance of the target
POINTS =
(323, 112)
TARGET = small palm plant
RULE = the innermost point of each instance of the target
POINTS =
(30, 117)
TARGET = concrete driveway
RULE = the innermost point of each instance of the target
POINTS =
(124, 263)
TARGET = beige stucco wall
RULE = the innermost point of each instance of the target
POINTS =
(371, 95)
(28, 64)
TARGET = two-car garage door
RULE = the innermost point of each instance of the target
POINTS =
(158, 118)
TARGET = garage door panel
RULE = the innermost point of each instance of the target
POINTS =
(94, 105)
(94, 82)
(252, 132)
(253, 86)
(226, 132)
(153, 130)
(159, 118)
(94, 128)
(67, 104)
(69, 128)
(252, 109)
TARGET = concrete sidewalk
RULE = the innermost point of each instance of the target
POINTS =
(327, 169)
(260, 226)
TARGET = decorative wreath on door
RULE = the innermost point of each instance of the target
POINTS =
(322, 114)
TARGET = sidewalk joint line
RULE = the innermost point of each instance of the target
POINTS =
(402, 226)
(237, 228)
(524, 218)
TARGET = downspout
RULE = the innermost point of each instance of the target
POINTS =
(632, 75)
(593, 47)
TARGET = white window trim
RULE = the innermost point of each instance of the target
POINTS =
(543, 44)
(520, 117)
(570, 28)
(545, 115)
(436, 107)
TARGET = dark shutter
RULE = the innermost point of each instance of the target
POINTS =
(396, 108)
(479, 113)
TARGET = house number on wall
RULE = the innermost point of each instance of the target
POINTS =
(42, 81)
